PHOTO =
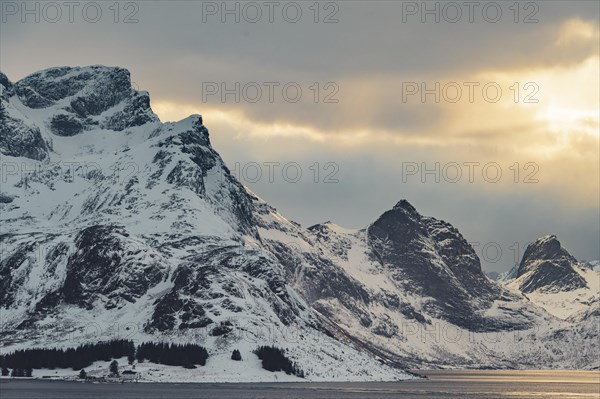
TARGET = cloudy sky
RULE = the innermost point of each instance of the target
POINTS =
(483, 114)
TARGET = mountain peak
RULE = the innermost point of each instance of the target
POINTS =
(405, 205)
(79, 99)
(544, 248)
(197, 118)
(107, 85)
(91, 72)
(548, 267)
(547, 239)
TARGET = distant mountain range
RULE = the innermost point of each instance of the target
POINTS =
(116, 223)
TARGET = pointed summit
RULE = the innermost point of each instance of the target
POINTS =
(430, 257)
(544, 248)
(406, 206)
(548, 267)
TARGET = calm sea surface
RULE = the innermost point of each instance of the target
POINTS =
(441, 384)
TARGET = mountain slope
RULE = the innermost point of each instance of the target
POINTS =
(410, 289)
(552, 278)
(115, 225)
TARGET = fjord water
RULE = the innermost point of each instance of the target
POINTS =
(476, 384)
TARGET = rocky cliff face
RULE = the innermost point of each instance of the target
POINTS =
(428, 257)
(17, 138)
(553, 279)
(82, 96)
(112, 220)
(547, 266)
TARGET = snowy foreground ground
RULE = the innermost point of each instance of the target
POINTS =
(219, 369)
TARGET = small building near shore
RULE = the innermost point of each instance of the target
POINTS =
(129, 375)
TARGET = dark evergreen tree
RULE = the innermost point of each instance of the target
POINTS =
(17, 372)
(274, 359)
(114, 367)
(172, 354)
(28, 372)
(82, 374)
(236, 355)
(5, 370)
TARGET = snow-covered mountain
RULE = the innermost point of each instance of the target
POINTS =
(552, 278)
(117, 225)
(410, 289)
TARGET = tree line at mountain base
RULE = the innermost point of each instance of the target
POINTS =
(186, 355)
(22, 361)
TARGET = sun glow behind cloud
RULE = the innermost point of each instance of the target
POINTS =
(566, 104)
(560, 129)
(573, 101)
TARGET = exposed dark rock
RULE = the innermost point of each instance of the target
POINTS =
(6, 87)
(547, 266)
(136, 112)
(223, 328)
(165, 309)
(10, 279)
(6, 199)
(66, 125)
(44, 88)
(386, 327)
(430, 258)
(102, 265)
(18, 139)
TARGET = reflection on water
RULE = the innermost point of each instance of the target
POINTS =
(539, 376)
(475, 384)
(519, 383)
